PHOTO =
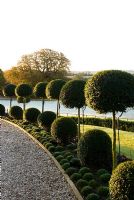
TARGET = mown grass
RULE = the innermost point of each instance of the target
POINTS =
(126, 139)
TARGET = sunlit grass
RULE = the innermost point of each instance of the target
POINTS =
(126, 139)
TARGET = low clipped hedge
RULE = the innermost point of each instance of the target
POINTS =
(31, 114)
(123, 125)
(16, 112)
(2, 110)
(121, 184)
(45, 119)
(95, 150)
(64, 130)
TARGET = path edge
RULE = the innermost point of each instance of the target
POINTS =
(67, 178)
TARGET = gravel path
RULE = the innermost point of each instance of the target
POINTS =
(27, 172)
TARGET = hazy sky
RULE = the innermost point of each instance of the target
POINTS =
(93, 34)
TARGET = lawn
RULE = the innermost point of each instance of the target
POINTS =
(126, 139)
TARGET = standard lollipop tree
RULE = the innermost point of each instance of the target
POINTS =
(9, 91)
(53, 90)
(110, 91)
(72, 96)
(40, 92)
(24, 91)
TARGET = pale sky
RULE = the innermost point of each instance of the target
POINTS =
(93, 34)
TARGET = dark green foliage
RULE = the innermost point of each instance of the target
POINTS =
(75, 177)
(101, 171)
(23, 90)
(9, 90)
(63, 161)
(59, 148)
(69, 157)
(88, 176)
(93, 183)
(71, 146)
(53, 88)
(95, 150)
(48, 144)
(40, 90)
(2, 110)
(104, 178)
(59, 158)
(81, 183)
(66, 165)
(56, 153)
(72, 94)
(121, 185)
(75, 162)
(110, 90)
(45, 119)
(23, 100)
(103, 191)
(64, 130)
(71, 170)
(84, 170)
(93, 196)
(16, 112)
(86, 190)
(31, 114)
(51, 148)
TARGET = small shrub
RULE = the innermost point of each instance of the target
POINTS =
(56, 153)
(101, 171)
(59, 148)
(103, 191)
(93, 183)
(104, 178)
(31, 114)
(51, 148)
(121, 184)
(48, 144)
(63, 161)
(95, 150)
(81, 183)
(69, 157)
(86, 190)
(88, 176)
(71, 146)
(45, 119)
(16, 112)
(75, 162)
(64, 129)
(66, 165)
(93, 196)
(59, 158)
(71, 170)
(2, 110)
(75, 177)
(84, 170)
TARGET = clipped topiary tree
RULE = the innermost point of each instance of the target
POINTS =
(40, 92)
(23, 90)
(9, 91)
(53, 91)
(16, 112)
(72, 96)
(2, 110)
(95, 150)
(110, 91)
(31, 114)
(45, 119)
(121, 185)
(64, 129)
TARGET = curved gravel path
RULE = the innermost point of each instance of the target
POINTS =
(27, 172)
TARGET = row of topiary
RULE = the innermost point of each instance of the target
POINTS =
(94, 151)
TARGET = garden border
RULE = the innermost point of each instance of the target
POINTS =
(68, 180)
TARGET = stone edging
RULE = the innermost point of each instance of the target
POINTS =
(74, 189)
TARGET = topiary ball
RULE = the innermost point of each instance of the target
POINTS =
(16, 112)
(64, 129)
(71, 170)
(75, 177)
(45, 119)
(88, 176)
(104, 178)
(101, 171)
(81, 183)
(84, 170)
(93, 196)
(103, 191)
(2, 110)
(121, 184)
(31, 114)
(86, 190)
(95, 150)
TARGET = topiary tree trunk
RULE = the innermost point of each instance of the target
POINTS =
(58, 106)
(10, 103)
(43, 102)
(114, 141)
(78, 123)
